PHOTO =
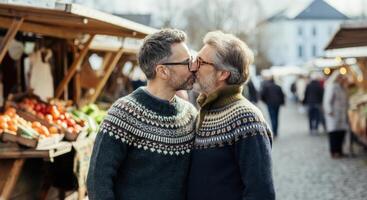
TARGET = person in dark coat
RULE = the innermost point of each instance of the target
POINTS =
(273, 96)
(250, 92)
(313, 100)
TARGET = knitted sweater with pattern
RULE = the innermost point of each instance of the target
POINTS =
(231, 159)
(142, 150)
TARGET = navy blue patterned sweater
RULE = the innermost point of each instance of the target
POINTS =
(142, 150)
(231, 159)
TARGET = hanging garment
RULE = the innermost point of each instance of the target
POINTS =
(16, 49)
(41, 80)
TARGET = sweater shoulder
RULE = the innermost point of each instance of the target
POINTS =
(228, 125)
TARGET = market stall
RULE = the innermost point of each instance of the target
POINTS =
(349, 46)
(43, 120)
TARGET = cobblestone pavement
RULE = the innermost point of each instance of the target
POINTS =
(303, 169)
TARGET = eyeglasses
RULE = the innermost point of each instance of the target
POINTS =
(187, 62)
(199, 61)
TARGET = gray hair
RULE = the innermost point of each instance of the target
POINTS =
(157, 47)
(232, 54)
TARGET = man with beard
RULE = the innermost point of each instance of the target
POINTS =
(231, 158)
(142, 150)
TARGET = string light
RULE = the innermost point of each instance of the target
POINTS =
(343, 70)
(327, 71)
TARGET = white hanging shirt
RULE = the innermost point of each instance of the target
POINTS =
(41, 80)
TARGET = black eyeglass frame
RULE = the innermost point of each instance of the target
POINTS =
(187, 62)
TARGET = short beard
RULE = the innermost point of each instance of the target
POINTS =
(205, 86)
(186, 85)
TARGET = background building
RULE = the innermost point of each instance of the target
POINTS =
(298, 34)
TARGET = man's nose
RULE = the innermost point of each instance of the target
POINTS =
(194, 67)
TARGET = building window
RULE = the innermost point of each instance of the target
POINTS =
(300, 31)
(314, 31)
(300, 51)
(314, 51)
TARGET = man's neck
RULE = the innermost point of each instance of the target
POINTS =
(160, 91)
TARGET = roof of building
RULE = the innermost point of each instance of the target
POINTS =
(350, 34)
(139, 18)
(315, 10)
(70, 20)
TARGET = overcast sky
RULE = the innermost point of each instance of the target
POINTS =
(349, 7)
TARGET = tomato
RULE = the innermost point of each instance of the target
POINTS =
(49, 118)
(11, 112)
(63, 124)
(40, 115)
(70, 122)
(2, 119)
(53, 130)
(6, 118)
(4, 126)
(12, 127)
(55, 113)
(45, 131)
(62, 117)
(36, 124)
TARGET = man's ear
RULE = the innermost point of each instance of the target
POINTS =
(224, 75)
(162, 72)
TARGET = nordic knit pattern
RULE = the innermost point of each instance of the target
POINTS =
(143, 149)
(132, 123)
(227, 125)
(231, 159)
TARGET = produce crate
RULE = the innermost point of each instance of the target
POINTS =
(42, 143)
(9, 137)
(14, 101)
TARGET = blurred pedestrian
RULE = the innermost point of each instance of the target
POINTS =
(301, 84)
(273, 96)
(250, 92)
(294, 91)
(313, 100)
(335, 105)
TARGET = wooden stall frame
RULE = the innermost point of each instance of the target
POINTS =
(74, 67)
(11, 180)
(108, 70)
(68, 21)
(10, 35)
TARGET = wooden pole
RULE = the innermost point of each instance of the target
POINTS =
(107, 74)
(362, 64)
(77, 88)
(12, 179)
(10, 34)
(77, 62)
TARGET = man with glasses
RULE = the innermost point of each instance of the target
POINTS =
(231, 158)
(142, 150)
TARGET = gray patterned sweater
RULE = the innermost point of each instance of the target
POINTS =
(143, 149)
(231, 159)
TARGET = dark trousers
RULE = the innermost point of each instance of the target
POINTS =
(274, 114)
(322, 119)
(314, 116)
(336, 139)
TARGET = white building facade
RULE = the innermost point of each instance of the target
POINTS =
(294, 37)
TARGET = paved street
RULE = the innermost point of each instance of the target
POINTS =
(303, 169)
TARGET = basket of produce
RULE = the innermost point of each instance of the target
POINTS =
(25, 131)
(53, 113)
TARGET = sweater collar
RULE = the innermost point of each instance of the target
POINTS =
(221, 97)
(155, 104)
